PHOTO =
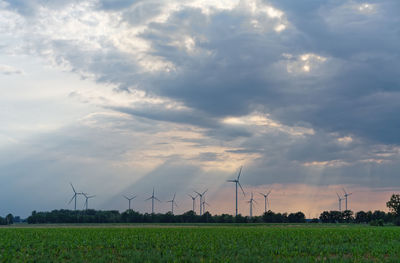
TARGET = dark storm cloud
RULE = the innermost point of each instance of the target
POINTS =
(234, 68)
(355, 92)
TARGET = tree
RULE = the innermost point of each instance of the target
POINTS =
(10, 219)
(361, 217)
(394, 204)
(347, 216)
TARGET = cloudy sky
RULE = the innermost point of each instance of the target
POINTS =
(120, 96)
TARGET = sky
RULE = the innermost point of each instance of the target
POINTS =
(118, 97)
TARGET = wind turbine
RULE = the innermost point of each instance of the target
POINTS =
(204, 204)
(201, 199)
(172, 204)
(87, 199)
(340, 202)
(345, 196)
(193, 199)
(266, 201)
(152, 197)
(74, 196)
(129, 200)
(251, 205)
(236, 181)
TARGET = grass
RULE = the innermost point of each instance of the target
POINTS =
(200, 243)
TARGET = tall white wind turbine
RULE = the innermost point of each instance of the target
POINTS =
(340, 202)
(236, 181)
(152, 197)
(74, 196)
(201, 200)
(194, 200)
(129, 200)
(173, 203)
(345, 196)
(204, 204)
(266, 201)
(87, 199)
(251, 205)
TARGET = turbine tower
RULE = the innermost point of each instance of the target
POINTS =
(74, 196)
(193, 199)
(129, 200)
(345, 196)
(251, 205)
(266, 201)
(340, 202)
(173, 203)
(152, 197)
(87, 200)
(236, 181)
(201, 199)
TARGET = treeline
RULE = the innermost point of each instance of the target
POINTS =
(130, 216)
(374, 218)
(8, 220)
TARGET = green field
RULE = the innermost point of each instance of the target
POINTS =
(166, 243)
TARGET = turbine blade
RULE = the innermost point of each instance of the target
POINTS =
(157, 199)
(174, 197)
(263, 194)
(134, 197)
(205, 191)
(73, 189)
(231, 181)
(72, 199)
(241, 188)
(148, 198)
(344, 191)
(197, 193)
(240, 172)
(125, 197)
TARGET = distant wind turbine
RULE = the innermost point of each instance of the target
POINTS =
(74, 196)
(201, 199)
(251, 205)
(152, 197)
(204, 204)
(87, 199)
(129, 200)
(345, 196)
(266, 201)
(193, 199)
(340, 202)
(173, 203)
(236, 181)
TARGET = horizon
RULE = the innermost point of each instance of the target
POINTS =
(121, 96)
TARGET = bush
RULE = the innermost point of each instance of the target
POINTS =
(378, 222)
(397, 221)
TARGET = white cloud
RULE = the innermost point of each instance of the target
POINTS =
(9, 70)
